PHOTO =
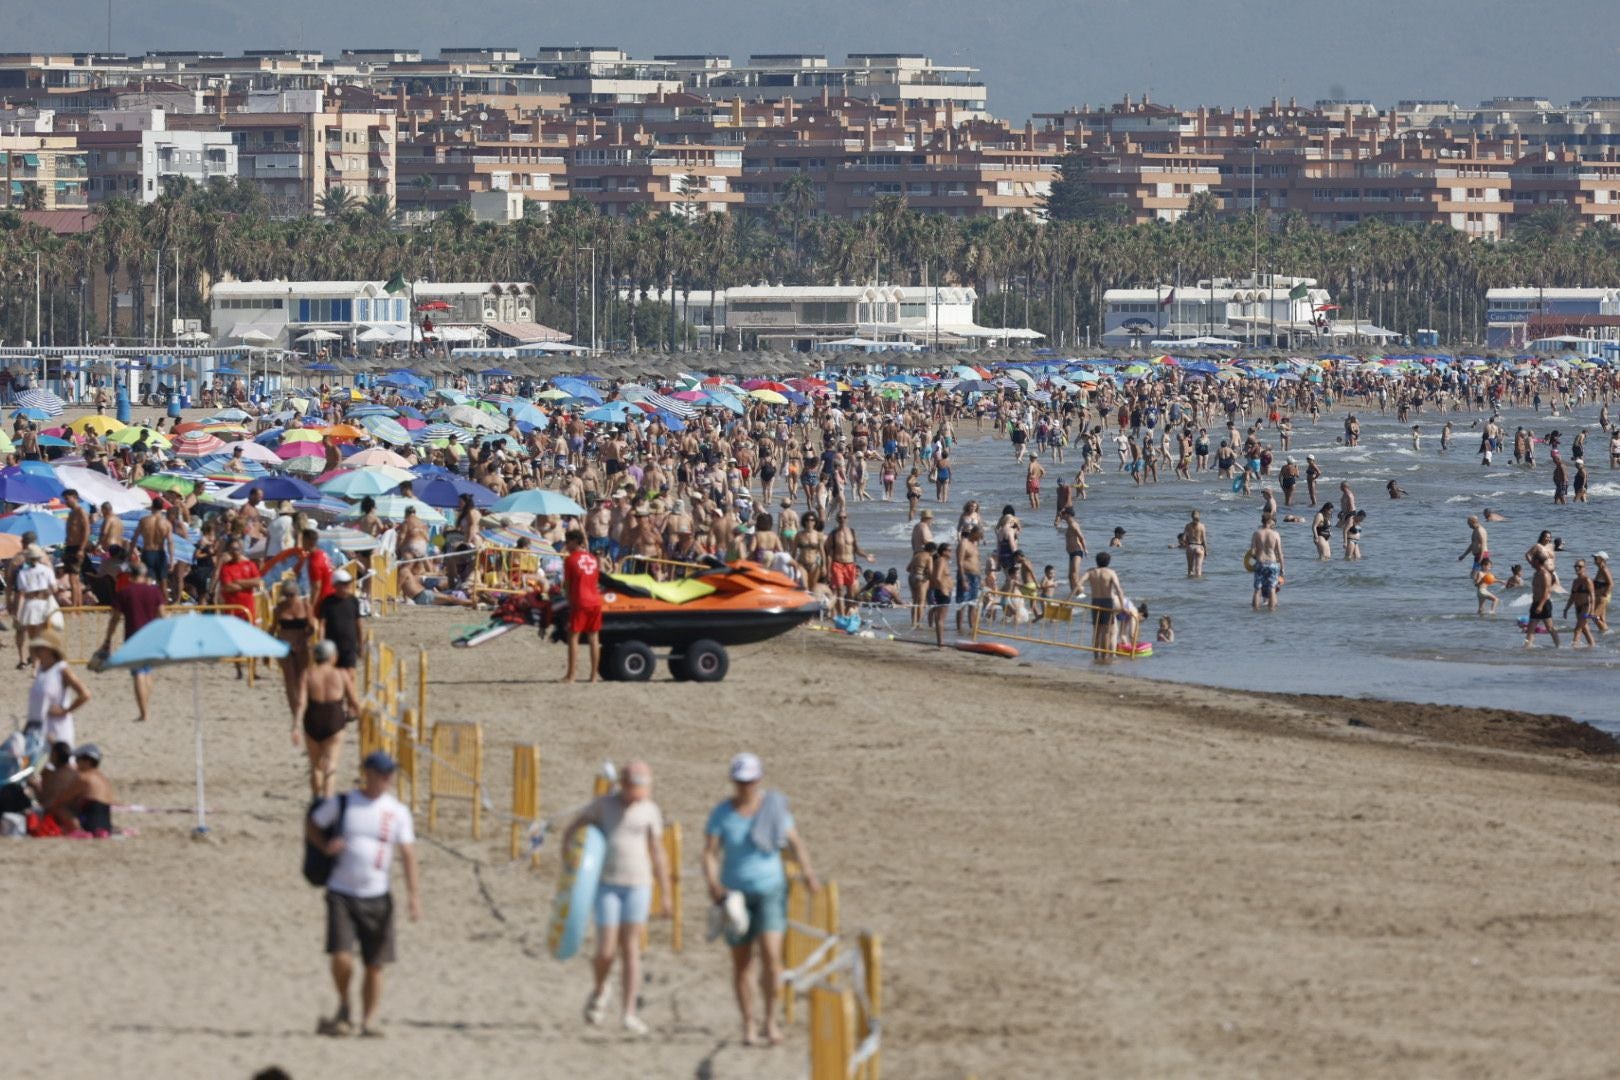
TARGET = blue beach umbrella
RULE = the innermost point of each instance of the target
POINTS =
(614, 412)
(446, 491)
(21, 486)
(50, 529)
(386, 429)
(31, 414)
(196, 639)
(276, 488)
(358, 484)
(534, 501)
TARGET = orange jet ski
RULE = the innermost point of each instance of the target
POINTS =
(692, 618)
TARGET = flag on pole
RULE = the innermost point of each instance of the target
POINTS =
(1168, 299)
(1298, 292)
(396, 284)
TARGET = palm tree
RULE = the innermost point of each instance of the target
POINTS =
(336, 202)
(379, 209)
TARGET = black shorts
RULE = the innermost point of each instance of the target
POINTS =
(1541, 611)
(72, 558)
(1104, 610)
(366, 920)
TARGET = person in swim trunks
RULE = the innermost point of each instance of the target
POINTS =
(1266, 548)
(1105, 595)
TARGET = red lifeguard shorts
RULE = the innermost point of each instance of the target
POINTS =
(585, 620)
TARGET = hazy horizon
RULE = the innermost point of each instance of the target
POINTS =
(1036, 55)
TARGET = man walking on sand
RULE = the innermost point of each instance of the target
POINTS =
(842, 549)
(580, 569)
(136, 604)
(369, 823)
(1266, 549)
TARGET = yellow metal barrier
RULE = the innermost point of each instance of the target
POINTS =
(456, 771)
(525, 796)
(405, 759)
(673, 847)
(832, 1032)
(816, 911)
(1064, 624)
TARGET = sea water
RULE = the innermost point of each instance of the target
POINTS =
(1399, 624)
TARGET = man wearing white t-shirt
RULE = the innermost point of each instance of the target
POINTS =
(359, 908)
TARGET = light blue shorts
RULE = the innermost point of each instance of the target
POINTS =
(620, 904)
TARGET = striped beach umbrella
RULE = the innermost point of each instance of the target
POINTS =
(387, 430)
(43, 400)
(198, 444)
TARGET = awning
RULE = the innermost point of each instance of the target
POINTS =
(525, 333)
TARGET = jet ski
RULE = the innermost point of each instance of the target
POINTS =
(692, 618)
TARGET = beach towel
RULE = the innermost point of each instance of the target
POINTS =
(771, 823)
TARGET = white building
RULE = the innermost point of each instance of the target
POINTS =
(802, 317)
(130, 153)
(1271, 309)
(277, 314)
(1553, 320)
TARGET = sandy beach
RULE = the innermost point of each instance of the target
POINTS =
(1074, 875)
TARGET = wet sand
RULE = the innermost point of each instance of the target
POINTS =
(1074, 875)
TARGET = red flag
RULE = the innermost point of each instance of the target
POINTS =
(1167, 300)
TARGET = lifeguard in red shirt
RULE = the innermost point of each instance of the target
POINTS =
(584, 602)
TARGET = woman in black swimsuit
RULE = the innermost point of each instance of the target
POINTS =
(292, 626)
(326, 700)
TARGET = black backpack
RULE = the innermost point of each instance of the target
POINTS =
(317, 863)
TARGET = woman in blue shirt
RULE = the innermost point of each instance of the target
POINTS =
(743, 853)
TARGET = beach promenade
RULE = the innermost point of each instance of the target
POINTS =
(1074, 875)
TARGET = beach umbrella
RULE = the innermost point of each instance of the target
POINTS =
(614, 412)
(446, 491)
(295, 450)
(359, 483)
(277, 488)
(454, 397)
(231, 414)
(196, 639)
(100, 425)
(131, 435)
(469, 417)
(376, 455)
(17, 486)
(534, 501)
(43, 400)
(184, 485)
(52, 440)
(50, 529)
(35, 415)
(362, 411)
(442, 431)
(252, 451)
(303, 435)
(96, 488)
(392, 508)
(554, 394)
(345, 432)
(387, 429)
(198, 444)
(769, 397)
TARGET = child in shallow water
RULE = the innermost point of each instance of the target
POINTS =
(1167, 630)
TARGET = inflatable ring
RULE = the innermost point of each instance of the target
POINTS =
(1248, 561)
(987, 648)
(576, 892)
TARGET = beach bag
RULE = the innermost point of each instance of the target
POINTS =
(317, 863)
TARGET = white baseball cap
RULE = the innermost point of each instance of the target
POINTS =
(746, 768)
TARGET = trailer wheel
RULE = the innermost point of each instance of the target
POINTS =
(677, 667)
(706, 661)
(629, 661)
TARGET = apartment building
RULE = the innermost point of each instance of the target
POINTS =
(613, 173)
(43, 172)
(294, 149)
(891, 79)
(131, 154)
(435, 174)
(1553, 179)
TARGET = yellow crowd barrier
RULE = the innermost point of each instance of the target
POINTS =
(525, 796)
(383, 584)
(812, 919)
(845, 1012)
(1064, 624)
(406, 736)
(456, 770)
(673, 848)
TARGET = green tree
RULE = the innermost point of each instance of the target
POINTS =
(1073, 196)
